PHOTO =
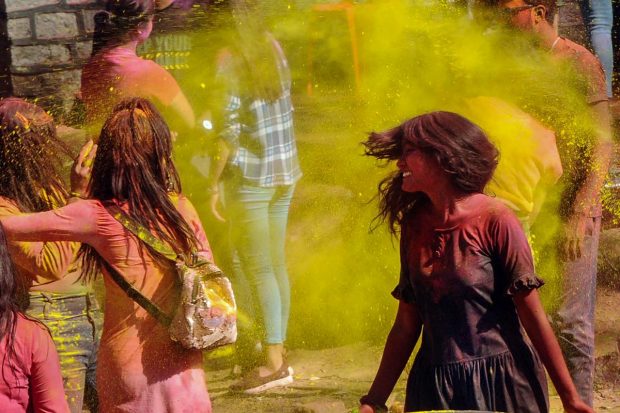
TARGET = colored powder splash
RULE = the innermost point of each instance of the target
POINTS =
(414, 57)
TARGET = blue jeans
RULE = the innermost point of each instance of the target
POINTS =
(574, 320)
(258, 218)
(75, 322)
(598, 18)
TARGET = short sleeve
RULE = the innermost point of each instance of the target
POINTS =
(404, 289)
(512, 256)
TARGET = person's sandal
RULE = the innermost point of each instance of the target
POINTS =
(253, 383)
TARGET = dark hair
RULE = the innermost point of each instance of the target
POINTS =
(30, 157)
(9, 308)
(461, 148)
(119, 21)
(255, 56)
(134, 165)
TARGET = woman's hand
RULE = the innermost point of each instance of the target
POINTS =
(80, 172)
(214, 204)
(364, 408)
(577, 406)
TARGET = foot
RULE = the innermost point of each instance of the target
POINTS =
(262, 379)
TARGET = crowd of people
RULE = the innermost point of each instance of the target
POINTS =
(463, 211)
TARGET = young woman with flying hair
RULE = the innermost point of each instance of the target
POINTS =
(466, 276)
(140, 369)
(31, 157)
(30, 375)
(115, 71)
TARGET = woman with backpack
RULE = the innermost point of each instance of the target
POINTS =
(140, 367)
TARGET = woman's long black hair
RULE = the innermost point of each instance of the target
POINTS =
(134, 165)
(31, 157)
(461, 148)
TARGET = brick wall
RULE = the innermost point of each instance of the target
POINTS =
(45, 43)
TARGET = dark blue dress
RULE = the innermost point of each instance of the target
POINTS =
(475, 354)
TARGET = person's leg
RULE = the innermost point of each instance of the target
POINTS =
(251, 234)
(598, 17)
(278, 220)
(65, 318)
(249, 321)
(95, 317)
(574, 320)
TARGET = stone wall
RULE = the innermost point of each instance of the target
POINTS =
(45, 43)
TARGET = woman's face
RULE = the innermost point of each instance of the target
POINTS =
(420, 170)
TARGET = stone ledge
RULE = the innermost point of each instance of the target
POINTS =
(20, 28)
(21, 5)
(40, 55)
(56, 25)
(46, 84)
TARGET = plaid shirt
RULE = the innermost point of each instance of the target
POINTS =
(262, 136)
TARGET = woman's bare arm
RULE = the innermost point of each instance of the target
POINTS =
(398, 348)
(534, 320)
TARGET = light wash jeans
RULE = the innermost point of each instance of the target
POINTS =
(598, 18)
(75, 322)
(258, 217)
(574, 320)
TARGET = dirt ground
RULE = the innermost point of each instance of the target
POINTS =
(332, 380)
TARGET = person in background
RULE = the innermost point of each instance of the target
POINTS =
(598, 16)
(530, 163)
(31, 381)
(467, 277)
(257, 168)
(115, 71)
(31, 157)
(580, 200)
(140, 368)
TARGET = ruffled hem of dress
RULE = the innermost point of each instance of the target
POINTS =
(524, 283)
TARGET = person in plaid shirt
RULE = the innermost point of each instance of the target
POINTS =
(258, 167)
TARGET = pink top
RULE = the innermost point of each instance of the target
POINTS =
(31, 382)
(139, 369)
(114, 74)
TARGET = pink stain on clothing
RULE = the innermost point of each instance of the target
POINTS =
(117, 73)
(31, 381)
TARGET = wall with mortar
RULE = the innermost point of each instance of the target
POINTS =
(44, 45)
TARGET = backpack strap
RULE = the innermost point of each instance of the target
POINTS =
(137, 296)
(142, 233)
(145, 236)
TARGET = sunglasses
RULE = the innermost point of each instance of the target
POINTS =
(509, 12)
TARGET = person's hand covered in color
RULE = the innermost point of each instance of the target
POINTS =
(364, 408)
(82, 168)
(577, 406)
